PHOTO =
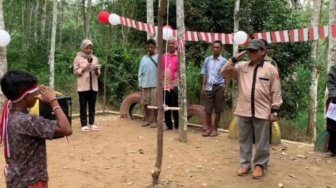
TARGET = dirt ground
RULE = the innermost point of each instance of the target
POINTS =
(122, 154)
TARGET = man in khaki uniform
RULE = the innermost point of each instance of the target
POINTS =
(259, 101)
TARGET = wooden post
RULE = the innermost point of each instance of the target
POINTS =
(159, 93)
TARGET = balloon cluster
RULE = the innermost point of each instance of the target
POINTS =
(105, 17)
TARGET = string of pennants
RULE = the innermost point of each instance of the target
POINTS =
(293, 35)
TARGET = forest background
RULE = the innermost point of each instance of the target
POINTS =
(120, 49)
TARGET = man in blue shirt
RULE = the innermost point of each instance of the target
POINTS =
(214, 88)
(147, 77)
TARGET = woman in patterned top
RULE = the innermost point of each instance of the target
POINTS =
(24, 134)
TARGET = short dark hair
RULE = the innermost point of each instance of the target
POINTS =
(151, 41)
(265, 41)
(218, 41)
(14, 83)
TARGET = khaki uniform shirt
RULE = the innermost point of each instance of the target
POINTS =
(83, 79)
(259, 87)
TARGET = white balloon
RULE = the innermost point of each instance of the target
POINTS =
(114, 19)
(167, 32)
(4, 38)
(240, 37)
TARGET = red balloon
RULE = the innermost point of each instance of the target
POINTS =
(103, 16)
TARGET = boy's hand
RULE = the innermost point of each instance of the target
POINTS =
(47, 94)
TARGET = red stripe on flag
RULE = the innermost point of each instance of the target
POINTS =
(301, 35)
(227, 39)
(321, 32)
(255, 35)
(282, 36)
(264, 36)
(273, 36)
(333, 30)
(291, 35)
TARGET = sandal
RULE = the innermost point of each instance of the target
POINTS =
(85, 129)
(329, 155)
(206, 133)
(94, 127)
(243, 171)
(258, 172)
(213, 134)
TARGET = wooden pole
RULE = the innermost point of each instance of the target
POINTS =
(159, 93)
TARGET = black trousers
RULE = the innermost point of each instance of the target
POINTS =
(171, 100)
(331, 128)
(87, 98)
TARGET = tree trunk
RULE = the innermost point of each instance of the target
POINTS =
(150, 15)
(36, 18)
(52, 45)
(183, 121)
(3, 58)
(235, 51)
(43, 16)
(86, 17)
(311, 129)
(159, 93)
(332, 41)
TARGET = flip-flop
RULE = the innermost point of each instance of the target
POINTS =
(94, 128)
(243, 172)
(85, 129)
(206, 133)
(213, 134)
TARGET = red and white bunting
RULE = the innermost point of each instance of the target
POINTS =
(279, 36)
(294, 35)
(190, 36)
(207, 37)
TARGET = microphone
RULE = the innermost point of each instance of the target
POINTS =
(90, 59)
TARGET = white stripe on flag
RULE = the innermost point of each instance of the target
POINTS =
(296, 35)
(305, 34)
(268, 36)
(129, 22)
(134, 24)
(209, 37)
(285, 32)
(326, 31)
(202, 36)
(195, 36)
(223, 37)
(277, 36)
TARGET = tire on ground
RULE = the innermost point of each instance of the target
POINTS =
(128, 104)
(321, 143)
(197, 110)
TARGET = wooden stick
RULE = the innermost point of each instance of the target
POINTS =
(166, 108)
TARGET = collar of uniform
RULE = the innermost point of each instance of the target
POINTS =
(261, 63)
